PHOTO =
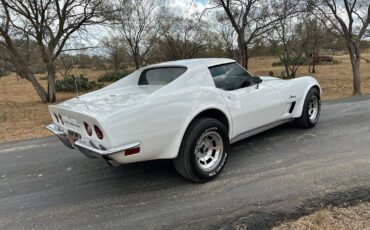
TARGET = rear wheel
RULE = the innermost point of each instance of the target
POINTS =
(311, 110)
(204, 150)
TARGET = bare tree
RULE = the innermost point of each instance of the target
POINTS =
(13, 57)
(227, 36)
(351, 19)
(250, 19)
(289, 46)
(313, 37)
(66, 63)
(51, 24)
(182, 38)
(138, 22)
(116, 52)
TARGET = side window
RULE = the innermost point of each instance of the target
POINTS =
(230, 76)
(160, 75)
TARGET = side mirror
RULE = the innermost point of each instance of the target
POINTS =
(257, 80)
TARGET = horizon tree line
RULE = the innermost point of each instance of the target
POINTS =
(148, 31)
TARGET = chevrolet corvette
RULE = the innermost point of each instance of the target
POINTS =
(189, 111)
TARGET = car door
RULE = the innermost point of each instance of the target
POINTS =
(251, 105)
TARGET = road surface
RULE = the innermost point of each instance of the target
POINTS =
(281, 173)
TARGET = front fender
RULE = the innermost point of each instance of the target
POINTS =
(306, 84)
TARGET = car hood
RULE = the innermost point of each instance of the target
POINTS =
(273, 81)
(105, 101)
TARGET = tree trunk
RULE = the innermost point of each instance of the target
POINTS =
(242, 50)
(38, 87)
(356, 77)
(246, 58)
(285, 62)
(355, 56)
(137, 61)
(22, 69)
(51, 82)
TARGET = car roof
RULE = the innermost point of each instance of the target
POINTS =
(209, 62)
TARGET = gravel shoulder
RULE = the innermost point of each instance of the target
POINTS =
(356, 217)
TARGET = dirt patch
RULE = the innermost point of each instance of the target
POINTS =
(332, 218)
(314, 211)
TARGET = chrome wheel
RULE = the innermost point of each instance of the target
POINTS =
(208, 151)
(313, 109)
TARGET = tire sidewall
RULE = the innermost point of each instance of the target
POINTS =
(213, 173)
(313, 92)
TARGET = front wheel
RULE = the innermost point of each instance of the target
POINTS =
(204, 150)
(311, 110)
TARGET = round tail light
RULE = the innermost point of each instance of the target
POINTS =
(56, 117)
(88, 129)
(98, 132)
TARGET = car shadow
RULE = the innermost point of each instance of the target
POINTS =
(160, 176)
(164, 170)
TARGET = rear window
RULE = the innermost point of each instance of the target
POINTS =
(161, 75)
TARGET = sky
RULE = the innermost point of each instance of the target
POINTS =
(184, 8)
(187, 7)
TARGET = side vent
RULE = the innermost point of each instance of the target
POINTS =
(292, 107)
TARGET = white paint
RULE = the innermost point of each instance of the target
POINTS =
(158, 116)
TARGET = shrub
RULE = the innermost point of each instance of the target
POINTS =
(4, 72)
(112, 76)
(38, 70)
(276, 64)
(294, 61)
(69, 83)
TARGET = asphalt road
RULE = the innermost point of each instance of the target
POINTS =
(280, 173)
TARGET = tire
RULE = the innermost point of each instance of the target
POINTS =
(311, 110)
(196, 160)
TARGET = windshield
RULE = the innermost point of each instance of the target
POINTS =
(230, 76)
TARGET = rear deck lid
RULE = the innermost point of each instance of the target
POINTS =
(105, 101)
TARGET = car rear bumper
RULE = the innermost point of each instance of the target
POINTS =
(88, 147)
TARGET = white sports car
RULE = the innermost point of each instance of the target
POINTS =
(188, 111)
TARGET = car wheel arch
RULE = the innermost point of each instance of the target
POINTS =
(216, 114)
(211, 112)
(298, 112)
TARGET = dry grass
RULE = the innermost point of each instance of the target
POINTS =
(333, 218)
(22, 116)
(336, 80)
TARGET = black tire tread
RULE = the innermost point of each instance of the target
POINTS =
(303, 121)
(182, 162)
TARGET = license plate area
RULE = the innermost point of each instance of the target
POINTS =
(70, 122)
(73, 136)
